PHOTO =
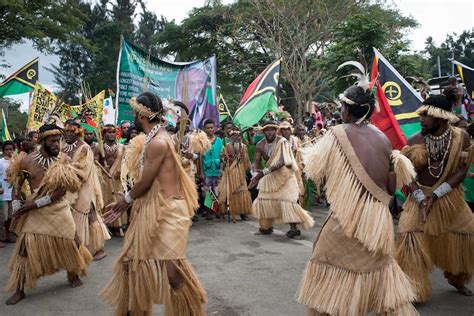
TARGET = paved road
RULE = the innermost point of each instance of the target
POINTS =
(242, 273)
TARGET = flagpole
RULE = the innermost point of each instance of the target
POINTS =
(117, 79)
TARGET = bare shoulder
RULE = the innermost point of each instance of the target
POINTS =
(416, 139)
(381, 137)
(466, 140)
(261, 144)
(158, 146)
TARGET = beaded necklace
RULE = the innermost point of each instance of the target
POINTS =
(438, 147)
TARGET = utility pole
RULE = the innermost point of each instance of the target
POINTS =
(452, 64)
(439, 67)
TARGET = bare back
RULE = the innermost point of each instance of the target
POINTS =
(167, 172)
(373, 150)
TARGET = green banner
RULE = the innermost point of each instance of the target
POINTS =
(192, 83)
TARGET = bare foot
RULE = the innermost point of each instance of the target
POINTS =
(75, 281)
(2, 244)
(99, 255)
(461, 289)
(18, 296)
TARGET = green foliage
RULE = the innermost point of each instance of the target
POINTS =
(218, 30)
(16, 120)
(460, 47)
(42, 21)
(354, 39)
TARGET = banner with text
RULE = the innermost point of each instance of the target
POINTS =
(192, 83)
(47, 108)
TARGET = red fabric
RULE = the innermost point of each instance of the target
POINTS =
(385, 120)
(90, 122)
(251, 88)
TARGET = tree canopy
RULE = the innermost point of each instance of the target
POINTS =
(312, 37)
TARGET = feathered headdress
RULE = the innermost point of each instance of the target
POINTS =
(362, 81)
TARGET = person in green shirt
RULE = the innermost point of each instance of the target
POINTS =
(211, 162)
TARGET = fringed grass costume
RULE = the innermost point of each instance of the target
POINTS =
(296, 147)
(114, 185)
(277, 200)
(233, 185)
(46, 242)
(195, 142)
(352, 270)
(89, 199)
(447, 238)
(157, 236)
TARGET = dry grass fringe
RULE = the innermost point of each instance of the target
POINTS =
(338, 291)
(403, 169)
(418, 155)
(98, 234)
(81, 220)
(356, 209)
(45, 255)
(136, 286)
(412, 254)
(281, 212)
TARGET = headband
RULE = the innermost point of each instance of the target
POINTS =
(53, 132)
(79, 131)
(270, 126)
(143, 110)
(437, 112)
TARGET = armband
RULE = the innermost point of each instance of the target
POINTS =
(43, 201)
(195, 156)
(16, 205)
(418, 196)
(442, 190)
(266, 171)
(128, 198)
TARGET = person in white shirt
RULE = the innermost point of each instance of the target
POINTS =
(8, 147)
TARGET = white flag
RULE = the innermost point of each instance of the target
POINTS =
(108, 117)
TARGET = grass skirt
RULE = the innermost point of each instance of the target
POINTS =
(98, 235)
(136, 286)
(40, 255)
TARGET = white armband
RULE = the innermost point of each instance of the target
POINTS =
(418, 196)
(442, 190)
(43, 201)
(16, 205)
(266, 171)
(195, 156)
(128, 198)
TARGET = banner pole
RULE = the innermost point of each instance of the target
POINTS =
(117, 79)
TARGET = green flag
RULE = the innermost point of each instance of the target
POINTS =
(5, 132)
(259, 98)
(22, 81)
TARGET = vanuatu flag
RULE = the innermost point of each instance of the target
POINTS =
(224, 112)
(467, 76)
(22, 81)
(402, 99)
(259, 98)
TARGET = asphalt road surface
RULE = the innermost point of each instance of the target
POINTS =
(243, 274)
